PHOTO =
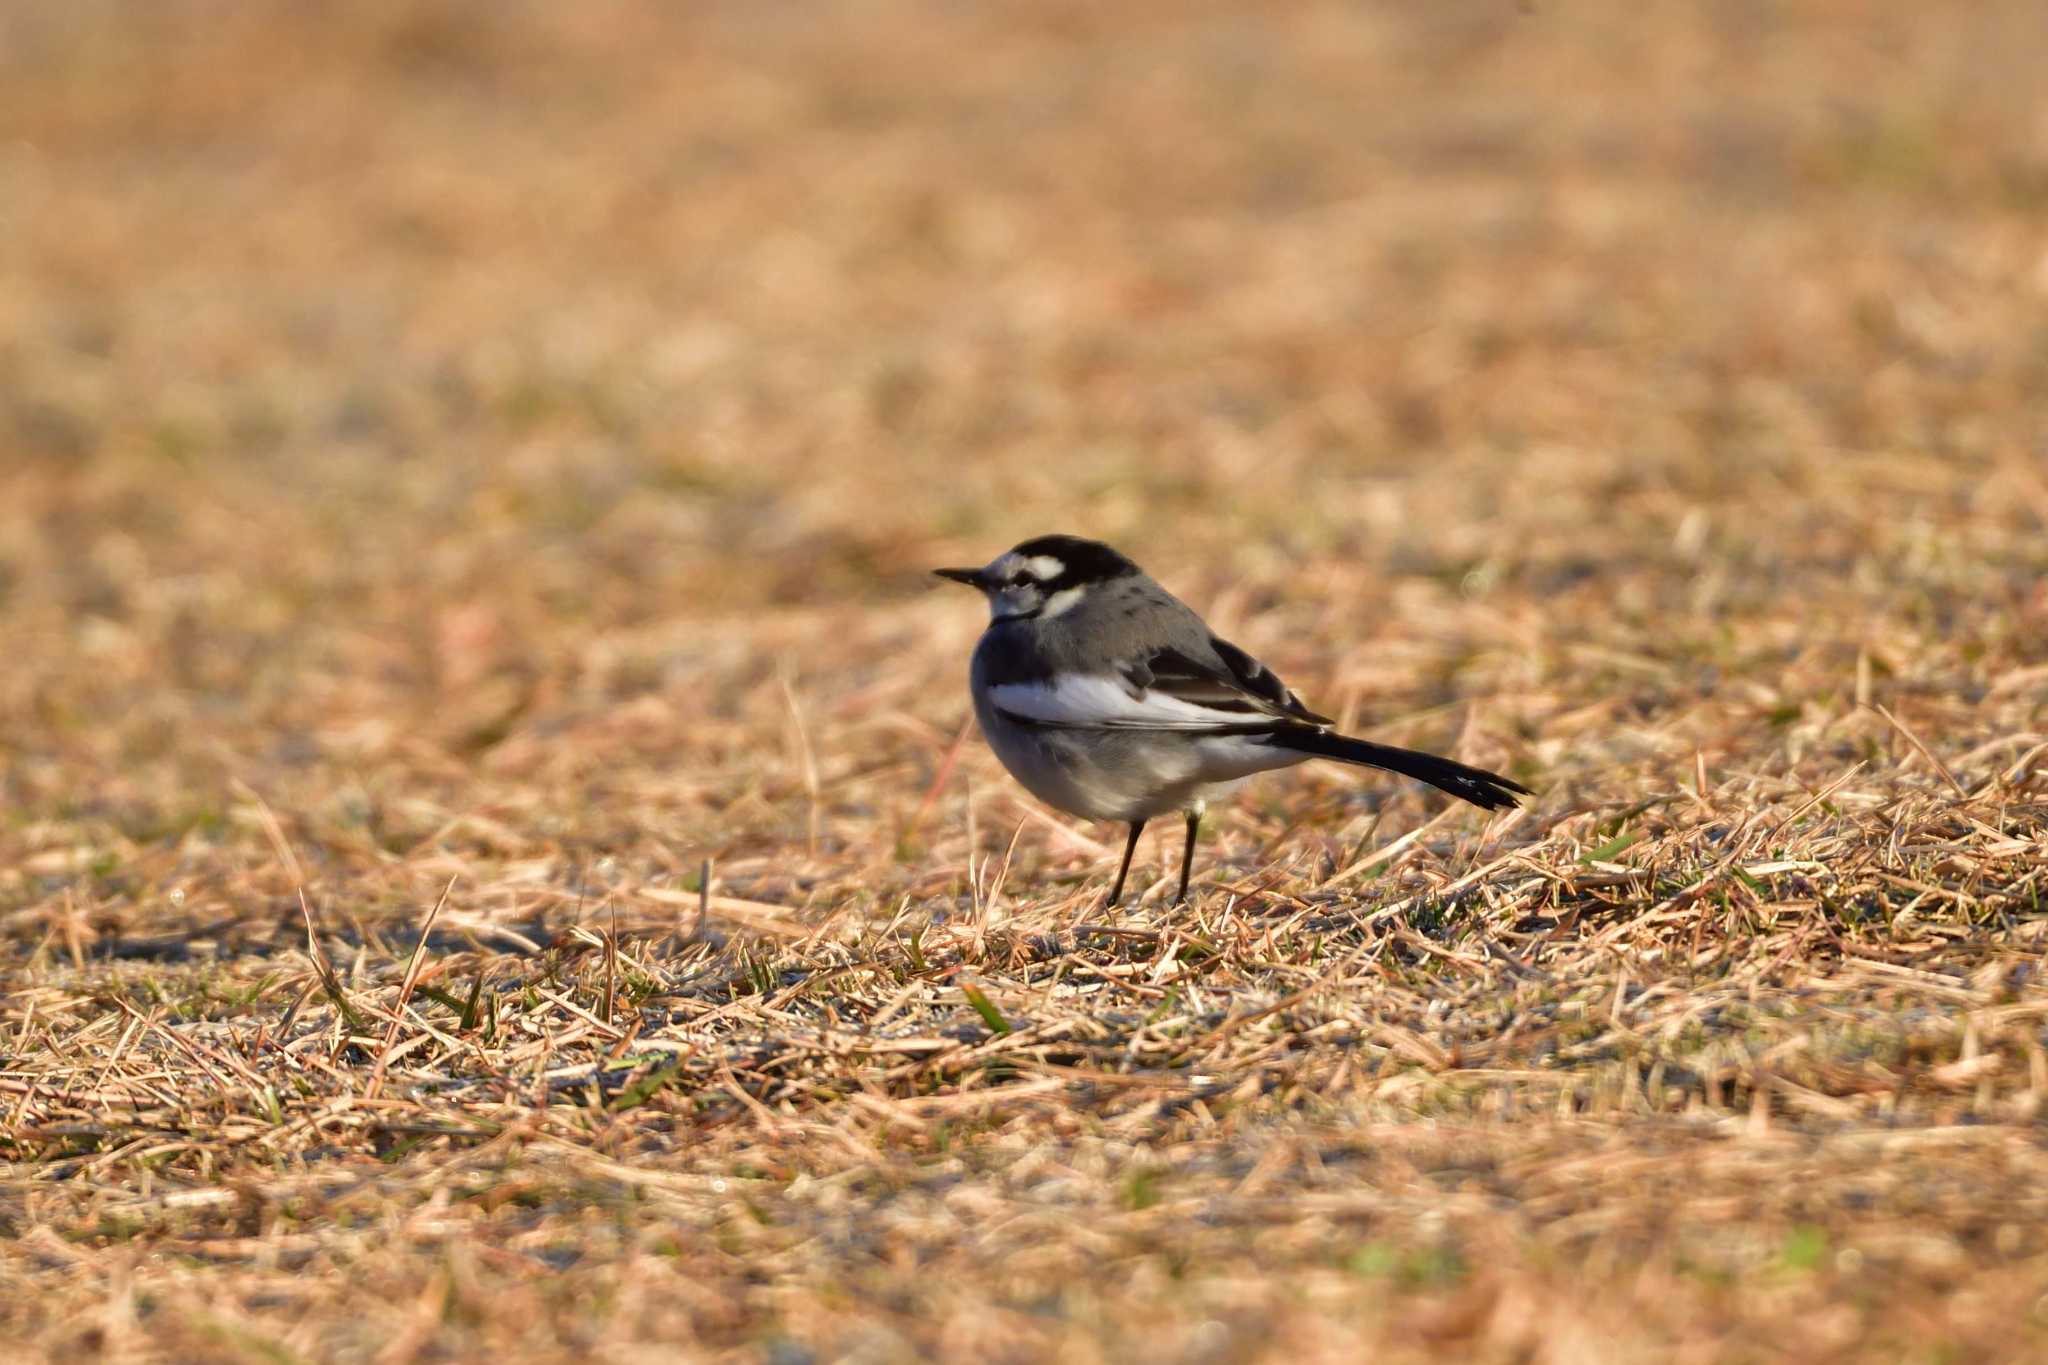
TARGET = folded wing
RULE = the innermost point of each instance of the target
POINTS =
(1227, 692)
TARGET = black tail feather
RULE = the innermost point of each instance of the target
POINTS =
(1488, 790)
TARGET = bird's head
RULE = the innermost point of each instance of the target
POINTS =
(1042, 577)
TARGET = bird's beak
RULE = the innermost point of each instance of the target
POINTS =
(971, 577)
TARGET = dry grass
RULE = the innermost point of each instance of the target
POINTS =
(468, 469)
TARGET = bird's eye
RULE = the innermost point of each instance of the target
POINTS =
(1017, 579)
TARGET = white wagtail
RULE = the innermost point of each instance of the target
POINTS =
(1108, 698)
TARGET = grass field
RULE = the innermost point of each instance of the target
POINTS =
(467, 470)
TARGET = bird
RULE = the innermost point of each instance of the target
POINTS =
(1109, 698)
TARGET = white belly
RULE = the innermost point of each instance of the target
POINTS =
(1126, 774)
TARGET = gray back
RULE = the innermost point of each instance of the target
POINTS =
(1124, 618)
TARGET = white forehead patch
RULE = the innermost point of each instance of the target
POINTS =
(1063, 600)
(1045, 568)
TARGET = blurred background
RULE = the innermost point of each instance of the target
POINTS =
(494, 449)
(393, 393)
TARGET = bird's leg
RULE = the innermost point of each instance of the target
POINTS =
(1130, 846)
(1187, 856)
